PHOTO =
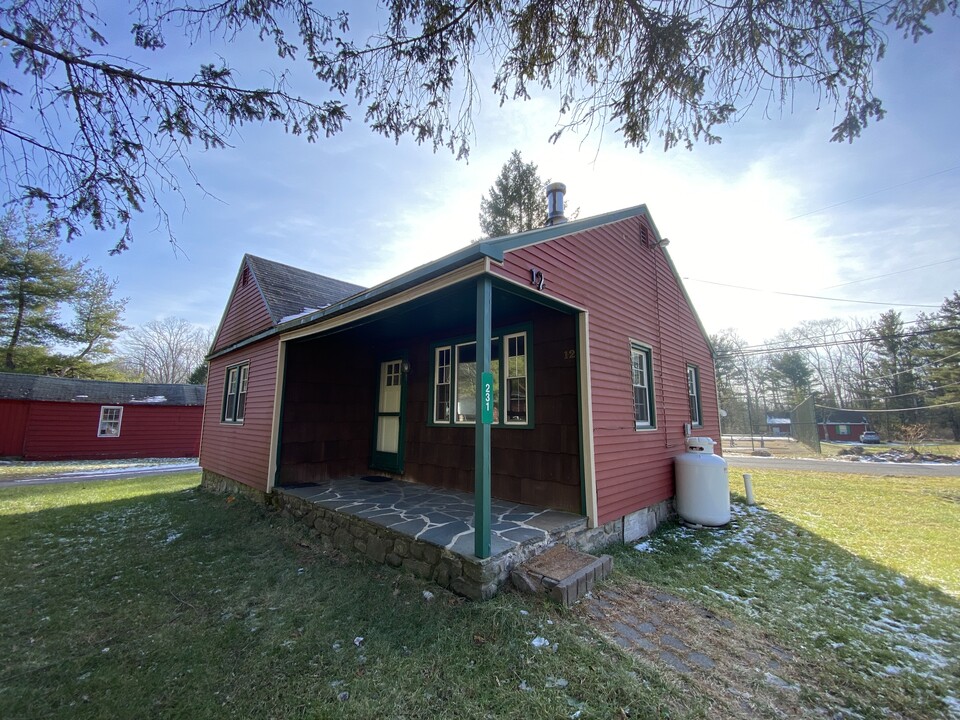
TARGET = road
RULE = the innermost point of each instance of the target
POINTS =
(98, 475)
(842, 466)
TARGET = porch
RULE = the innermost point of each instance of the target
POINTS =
(397, 392)
(429, 531)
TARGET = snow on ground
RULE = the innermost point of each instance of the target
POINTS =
(867, 615)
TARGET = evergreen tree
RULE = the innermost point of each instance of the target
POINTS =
(516, 201)
(944, 362)
(34, 280)
(37, 285)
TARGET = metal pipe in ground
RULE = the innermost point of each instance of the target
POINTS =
(748, 486)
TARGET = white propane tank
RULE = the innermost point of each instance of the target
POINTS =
(703, 489)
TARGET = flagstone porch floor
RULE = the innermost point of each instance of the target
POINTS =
(438, 516)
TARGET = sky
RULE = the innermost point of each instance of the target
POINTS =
(775, 207)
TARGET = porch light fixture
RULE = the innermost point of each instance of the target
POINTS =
(662, 242)
(405, 367)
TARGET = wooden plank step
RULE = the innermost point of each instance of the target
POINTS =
(565, 574)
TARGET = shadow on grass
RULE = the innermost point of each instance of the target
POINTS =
(180, 603)
(884, 642)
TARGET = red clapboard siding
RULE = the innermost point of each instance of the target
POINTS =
(13, 425)
(60, 431)
(246, 313)
(630, 293)
(242, 452)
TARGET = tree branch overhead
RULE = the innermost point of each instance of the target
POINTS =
(91, 133)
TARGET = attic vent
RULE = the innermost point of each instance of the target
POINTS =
(245, 277)
(644, 237)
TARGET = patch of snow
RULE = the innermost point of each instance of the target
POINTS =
(302, 313)
(645, 546)
(172, 536)
(150, 400)
(540, 642)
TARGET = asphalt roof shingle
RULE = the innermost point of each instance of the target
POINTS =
(290, 291)
(14, 386)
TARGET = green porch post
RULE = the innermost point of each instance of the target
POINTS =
(481, 466)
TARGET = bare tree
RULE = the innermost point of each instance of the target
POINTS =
(167, 350)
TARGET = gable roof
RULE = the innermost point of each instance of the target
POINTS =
(292, 296)
(288, 291)
(834, 416)
(15, 386)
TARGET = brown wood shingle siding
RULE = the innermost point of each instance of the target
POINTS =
(331, 394)
(241, 451)
(246, 313)
(630, 293)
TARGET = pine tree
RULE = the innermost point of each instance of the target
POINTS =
(516, 202)
(34, 279)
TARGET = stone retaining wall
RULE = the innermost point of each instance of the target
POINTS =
(464, 575)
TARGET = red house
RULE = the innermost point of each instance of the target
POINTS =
(591, 367)
(836, 425)
(52, 418)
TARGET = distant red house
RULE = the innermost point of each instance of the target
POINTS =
(51, 418)
(841, 425)
(598, 361)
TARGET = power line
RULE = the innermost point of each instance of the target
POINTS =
(837, 343)
(898, 272)
(811, 297)
(891, 410)
(875, 192)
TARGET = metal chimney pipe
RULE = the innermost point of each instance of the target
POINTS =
(555, 193)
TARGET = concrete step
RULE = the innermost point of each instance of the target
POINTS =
(565, 574)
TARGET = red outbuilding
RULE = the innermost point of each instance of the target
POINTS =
(598, 368)
(52, 418)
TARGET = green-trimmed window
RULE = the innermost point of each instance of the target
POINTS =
(642, 378)
(693, 393)
(454, 391)
(235, 393)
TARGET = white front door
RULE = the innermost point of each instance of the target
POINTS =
(388, 433)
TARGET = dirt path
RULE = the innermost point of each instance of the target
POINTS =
(737, 670)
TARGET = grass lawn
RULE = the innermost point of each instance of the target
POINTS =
(150, 598)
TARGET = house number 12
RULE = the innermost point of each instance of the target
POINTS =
(537, 278)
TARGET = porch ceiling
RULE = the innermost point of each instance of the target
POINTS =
(449, 311)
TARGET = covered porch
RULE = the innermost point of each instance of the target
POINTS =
(397, 391)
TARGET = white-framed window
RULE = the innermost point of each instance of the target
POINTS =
(110, 419)
(642, 379)
(235, 393)
(515, 375)
(843, 429)
(442, 378)
(693, 393)
(454, 391)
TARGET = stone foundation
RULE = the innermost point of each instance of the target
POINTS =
(465, 575)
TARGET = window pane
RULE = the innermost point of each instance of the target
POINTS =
(467, 382)
(517, 379)
(642, 400)
(441, 398)
(693, 392)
